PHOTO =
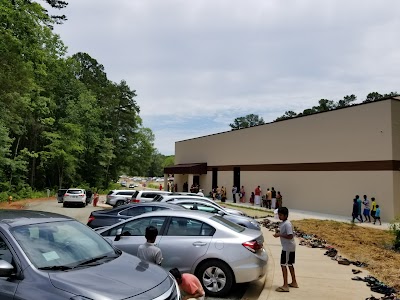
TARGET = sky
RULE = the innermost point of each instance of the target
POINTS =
(196, 65)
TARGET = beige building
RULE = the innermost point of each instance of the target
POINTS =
(318, 162)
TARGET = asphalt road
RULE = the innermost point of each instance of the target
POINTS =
(82, 213)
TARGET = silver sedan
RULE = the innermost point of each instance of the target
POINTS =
(220, 253)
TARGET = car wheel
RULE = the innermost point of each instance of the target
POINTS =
(216, 277)
(119, 203)
(64, 204)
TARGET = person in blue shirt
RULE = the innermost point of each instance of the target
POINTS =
(378, 215)
(359, 215)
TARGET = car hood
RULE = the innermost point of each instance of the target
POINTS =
(234, 211)
(121, 278)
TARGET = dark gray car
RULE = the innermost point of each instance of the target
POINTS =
(50, 256)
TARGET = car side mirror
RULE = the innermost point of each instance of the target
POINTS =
(6, 269)
(221, 213)
(118, 235)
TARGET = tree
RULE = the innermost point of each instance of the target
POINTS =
(346, 101)
(247, 121)
(288, 115)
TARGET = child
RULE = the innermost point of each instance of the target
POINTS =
(288, 250)
(377, 215)
(373, 207)
(148, 251)
(252, 197)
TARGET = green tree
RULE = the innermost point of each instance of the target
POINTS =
(247, 121)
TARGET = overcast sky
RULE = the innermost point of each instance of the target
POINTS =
(198, 64)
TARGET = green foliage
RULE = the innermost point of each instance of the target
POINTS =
(395, 229)
(63, 122)
(247, 121)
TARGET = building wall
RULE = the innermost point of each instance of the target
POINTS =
(323, 192)
(360, 133)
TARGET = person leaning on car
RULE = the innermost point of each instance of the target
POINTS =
(189, 285)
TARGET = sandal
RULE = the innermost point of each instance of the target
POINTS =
(281, 289)
(358, 278)
(293, 286)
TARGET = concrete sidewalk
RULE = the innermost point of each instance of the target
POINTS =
(319, 277)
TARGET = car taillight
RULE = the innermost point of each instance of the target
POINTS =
(91, 218)
(253, 246)
(82, 195)
(135, 200)
(66, 194)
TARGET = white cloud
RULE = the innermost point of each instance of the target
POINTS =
(219, 59)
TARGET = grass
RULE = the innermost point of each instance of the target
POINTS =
(369, 245)
(250, 211)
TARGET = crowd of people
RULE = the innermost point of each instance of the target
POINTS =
(370, 210)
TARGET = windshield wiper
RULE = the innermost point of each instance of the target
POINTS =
(56, 268)
(92, 260)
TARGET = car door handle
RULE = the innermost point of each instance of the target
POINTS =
(199, 244)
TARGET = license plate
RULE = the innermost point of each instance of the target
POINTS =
(74, 196)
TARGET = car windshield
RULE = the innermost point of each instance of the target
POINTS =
(75, 192)
(64, 244)
(227, 223)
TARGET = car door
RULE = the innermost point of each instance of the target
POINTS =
(133, 233)
(8, 286)
(185, 240)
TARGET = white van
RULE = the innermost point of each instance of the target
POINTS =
(146, 196)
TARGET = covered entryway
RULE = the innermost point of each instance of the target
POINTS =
(189, 176)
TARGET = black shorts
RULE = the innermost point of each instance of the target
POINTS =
(287, 258)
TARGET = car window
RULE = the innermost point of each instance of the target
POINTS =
(110, 192)
(189, 227)
(235, 227)
(125, 193)
(75, 191)
(148, 195)
(199, 206)
(135, 211)
(5, 253)
(60, 243)
(158, 208)
(136, 227)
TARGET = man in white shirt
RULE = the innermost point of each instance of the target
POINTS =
(148, 251)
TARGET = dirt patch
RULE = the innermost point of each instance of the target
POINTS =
(21, 204)
(369, 245)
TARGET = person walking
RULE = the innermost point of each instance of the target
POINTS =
(148, 251)
(268, 199)
(273, 198)
(377, 215)
(189, 285)
(354, 213)
(373, 207)
(257, 196)
(234, 192)
(359, 216)
(288, 254)
(223, 194)
(367, 210)
(95, 199)
(242, 195)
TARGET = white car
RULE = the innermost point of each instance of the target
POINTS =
(75, 196)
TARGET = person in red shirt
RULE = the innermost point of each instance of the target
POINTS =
(189, 285)
(160, 187)
(257, 194)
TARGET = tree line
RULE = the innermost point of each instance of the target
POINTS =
(62, 121)
(323, 105)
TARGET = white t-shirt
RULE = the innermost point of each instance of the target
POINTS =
(286, 228)
(150, 253)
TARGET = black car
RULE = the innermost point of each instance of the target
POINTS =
(50, 256)
(101, 218)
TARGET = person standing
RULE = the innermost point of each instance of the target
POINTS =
(95, 199)
(288, 250)
(268, 199)
(223, 194)
(367, 210)
(218, 193)
(189, 285)
(148, 251)
(279, 200)
(273, 198)
(257, 196)
(242, 195)
(359, 216)
(160, 187)
(234, 192)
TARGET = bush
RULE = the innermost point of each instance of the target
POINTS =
(395, 229)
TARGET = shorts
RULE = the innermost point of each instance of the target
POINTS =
(288, 258)
(378, 218)
(366, 212)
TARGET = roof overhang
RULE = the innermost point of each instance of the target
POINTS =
(192, 168)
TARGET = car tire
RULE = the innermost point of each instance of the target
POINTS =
(64, 204)
(119, 203)
(216, 278)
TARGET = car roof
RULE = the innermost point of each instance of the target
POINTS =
(26, 217)
(158, 204)
(116, 191)
(186, 197)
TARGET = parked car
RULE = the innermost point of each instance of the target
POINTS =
(172, 197)
(133, 185)
(219, 252)
(213, 208)
(119, 197)
(50, 256)
(75, 196)
(101, 218)
(60, 195)
(146, 195)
